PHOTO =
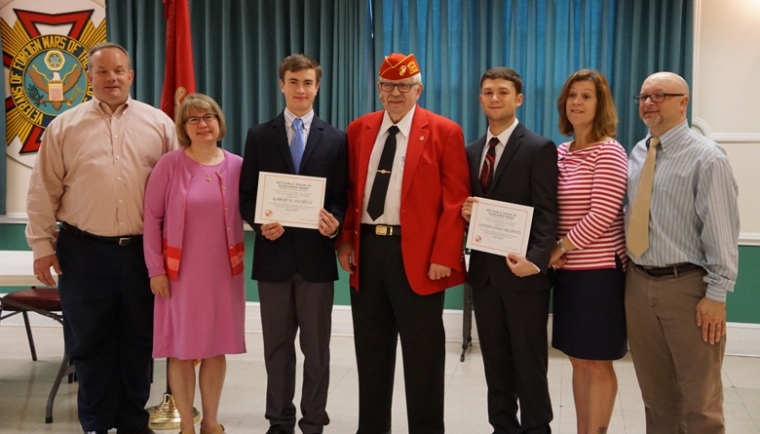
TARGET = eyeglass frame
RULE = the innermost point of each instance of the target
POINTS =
(207, 118)
(655, 97)
(384, 84)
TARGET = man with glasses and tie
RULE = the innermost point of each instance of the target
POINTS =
(402, 245)
(296, 268)
(682, 230)
(510, 294)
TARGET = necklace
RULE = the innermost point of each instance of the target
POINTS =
(208, 177)
(210, 161)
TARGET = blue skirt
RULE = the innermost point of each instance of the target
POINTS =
(589, 313)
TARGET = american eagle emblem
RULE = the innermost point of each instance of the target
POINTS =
(56, 87)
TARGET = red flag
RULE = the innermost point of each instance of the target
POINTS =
(179, 77)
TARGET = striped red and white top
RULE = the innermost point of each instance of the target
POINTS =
(592, 184)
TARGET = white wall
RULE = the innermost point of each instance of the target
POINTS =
(726, 94)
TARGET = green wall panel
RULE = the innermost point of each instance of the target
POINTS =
(743, 303)
(12, 237)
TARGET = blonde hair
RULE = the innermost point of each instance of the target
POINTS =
(197, 102)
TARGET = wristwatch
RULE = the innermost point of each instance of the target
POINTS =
(561, 246)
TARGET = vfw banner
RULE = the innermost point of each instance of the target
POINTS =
(45, 49)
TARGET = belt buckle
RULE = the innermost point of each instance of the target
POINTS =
(124, 241)
(382, 230)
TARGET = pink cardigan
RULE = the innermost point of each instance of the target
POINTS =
(164, 212)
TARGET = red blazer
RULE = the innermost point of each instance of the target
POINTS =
(435, 184)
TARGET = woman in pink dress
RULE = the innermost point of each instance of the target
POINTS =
(193, 241)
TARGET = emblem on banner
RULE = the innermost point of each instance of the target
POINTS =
(39, 91)
(58, 90)
(45, 72)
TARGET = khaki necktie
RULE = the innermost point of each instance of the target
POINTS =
(637, 237)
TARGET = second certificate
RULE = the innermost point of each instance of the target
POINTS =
(292, 200)
(499, 227)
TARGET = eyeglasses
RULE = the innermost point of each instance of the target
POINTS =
(655, 97)
(207, 118)
(402, 87)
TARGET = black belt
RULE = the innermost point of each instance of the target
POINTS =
(673, 270)
(119, 241)
(383, 230)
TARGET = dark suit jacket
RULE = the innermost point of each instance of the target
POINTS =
(305, 251)
(526, 175)
(433, 188)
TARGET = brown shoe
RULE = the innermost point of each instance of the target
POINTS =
(219, 429)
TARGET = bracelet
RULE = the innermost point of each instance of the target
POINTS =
(561, 246)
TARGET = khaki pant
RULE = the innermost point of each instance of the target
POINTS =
(678, 373)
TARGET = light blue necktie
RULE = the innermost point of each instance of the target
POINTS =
(296, 145)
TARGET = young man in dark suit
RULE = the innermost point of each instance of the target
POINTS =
(296, 268)
(511, 294)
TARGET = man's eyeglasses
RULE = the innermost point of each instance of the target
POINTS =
(402, 87)
(207, 118)
(655, 97)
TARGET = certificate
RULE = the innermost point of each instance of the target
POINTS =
(292, 200)
(499, 227)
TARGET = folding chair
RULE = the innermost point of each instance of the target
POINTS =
(46, 302)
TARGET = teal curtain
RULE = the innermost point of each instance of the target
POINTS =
(455, 41)
(650, 36)
(238, 46)
(139, 26)
(239, 43)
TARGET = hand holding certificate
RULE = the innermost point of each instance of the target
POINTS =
(499, 228)
(291, 200)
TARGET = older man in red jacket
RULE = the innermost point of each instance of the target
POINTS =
(402, 245)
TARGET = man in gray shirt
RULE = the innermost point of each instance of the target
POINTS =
(684, 262)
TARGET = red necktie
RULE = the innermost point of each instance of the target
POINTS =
(486, 172)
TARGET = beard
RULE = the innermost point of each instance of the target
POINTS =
(653, 120)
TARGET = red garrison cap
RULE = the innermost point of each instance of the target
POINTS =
(399, 66)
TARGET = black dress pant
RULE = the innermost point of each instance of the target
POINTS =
(385, 308)
(108, 329)
(513, 340)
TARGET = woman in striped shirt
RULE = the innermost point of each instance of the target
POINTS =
(589, 259)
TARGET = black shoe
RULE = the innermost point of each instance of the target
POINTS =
(105, 431)
(143, 430)
(278, 429)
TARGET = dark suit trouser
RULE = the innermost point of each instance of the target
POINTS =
(108, 329)
(384, 308)
(513, 339)
(287, 307)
